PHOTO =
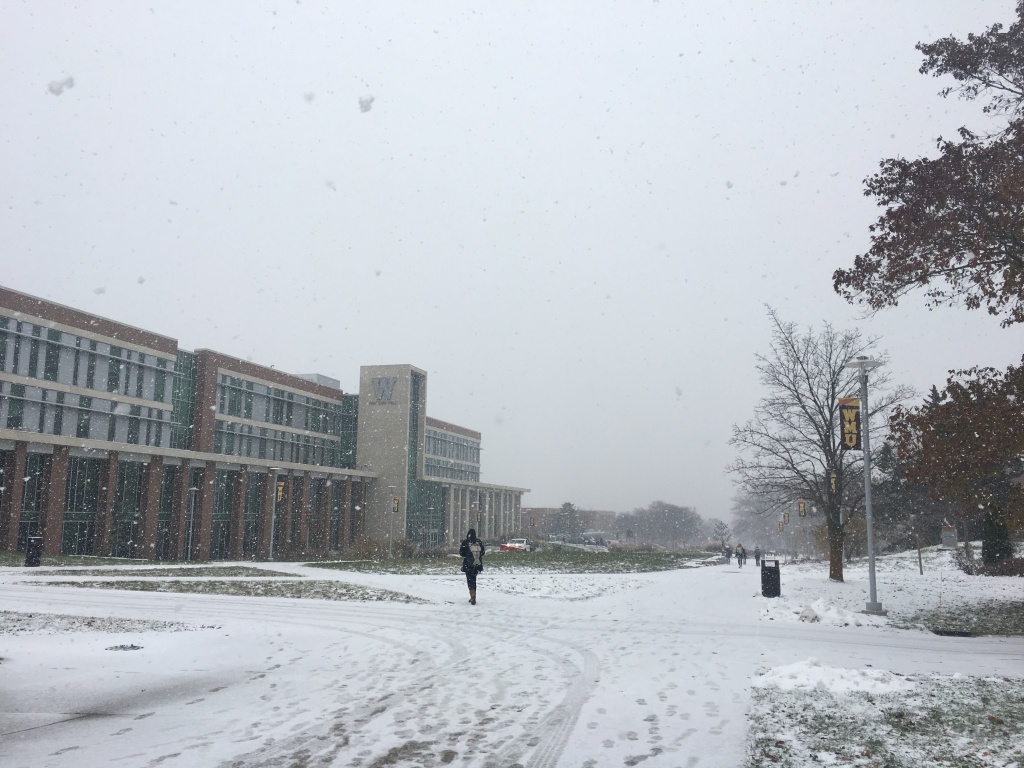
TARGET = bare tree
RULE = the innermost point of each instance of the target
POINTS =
(792, 448)
(754, 521)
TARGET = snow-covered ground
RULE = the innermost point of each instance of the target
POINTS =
(665, 669)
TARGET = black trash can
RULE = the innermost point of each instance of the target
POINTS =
(771, 578)
(33, 551)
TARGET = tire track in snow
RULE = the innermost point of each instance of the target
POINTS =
(549, 740)
(564, 717)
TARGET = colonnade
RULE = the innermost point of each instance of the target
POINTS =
(494, 512)
(161, 507)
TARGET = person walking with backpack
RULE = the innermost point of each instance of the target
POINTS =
(472, 553)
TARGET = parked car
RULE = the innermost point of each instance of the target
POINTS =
(517, 545)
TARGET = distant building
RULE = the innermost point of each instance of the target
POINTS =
(113, 441)
(553, 521)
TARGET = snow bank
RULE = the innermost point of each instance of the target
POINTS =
(819, 611)
(812, 674)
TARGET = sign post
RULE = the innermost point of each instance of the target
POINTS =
(391, 519)
(854, 431)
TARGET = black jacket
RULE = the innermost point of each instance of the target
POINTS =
(467, 556)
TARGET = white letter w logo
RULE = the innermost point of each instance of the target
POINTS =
(383, 388)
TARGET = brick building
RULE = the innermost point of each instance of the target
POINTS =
(115, 442)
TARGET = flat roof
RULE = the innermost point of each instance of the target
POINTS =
(76, 318)
(453, 428)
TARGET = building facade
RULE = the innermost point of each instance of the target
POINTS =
(428, 480)
(115, 442)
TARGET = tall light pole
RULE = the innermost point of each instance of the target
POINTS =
(273, 511)
(864, 364)
(391, 518)
(191, 520)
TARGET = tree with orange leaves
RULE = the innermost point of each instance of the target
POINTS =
(968, 447)
(953, 225)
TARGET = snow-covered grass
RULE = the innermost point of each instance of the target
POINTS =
(809, 714)
(548, 561)
(15, 623)
(179, 572)
(17, 559)
(943, 597)
(306, 590)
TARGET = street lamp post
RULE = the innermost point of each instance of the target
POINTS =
(273, 512)
(864, 364)
(191, 520)
(391, 518)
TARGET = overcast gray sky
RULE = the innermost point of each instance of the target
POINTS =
(569, 213)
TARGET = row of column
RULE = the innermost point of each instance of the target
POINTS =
(493, 513)
(313, 529)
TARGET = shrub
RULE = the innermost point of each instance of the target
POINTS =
(618, 546)
(996, 545)
(404, 549)
(434, 552)
(1013, 566)
(365, 548)
(964, 559)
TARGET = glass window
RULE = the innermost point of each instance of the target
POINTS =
(84, 413)
(133, 424)
(51, 362)
(159, 384)
(58, 414)
(16, 356)
(33, 357)
(16, 409)
(234, 399)
(278, 405)
(90, 371)
(140, 375)
(114, 370)
(111, 427)
(74, 372)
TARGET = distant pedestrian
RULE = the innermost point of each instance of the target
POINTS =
(472, 553)
(741, 555)
(728, 555)
(757, 557)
